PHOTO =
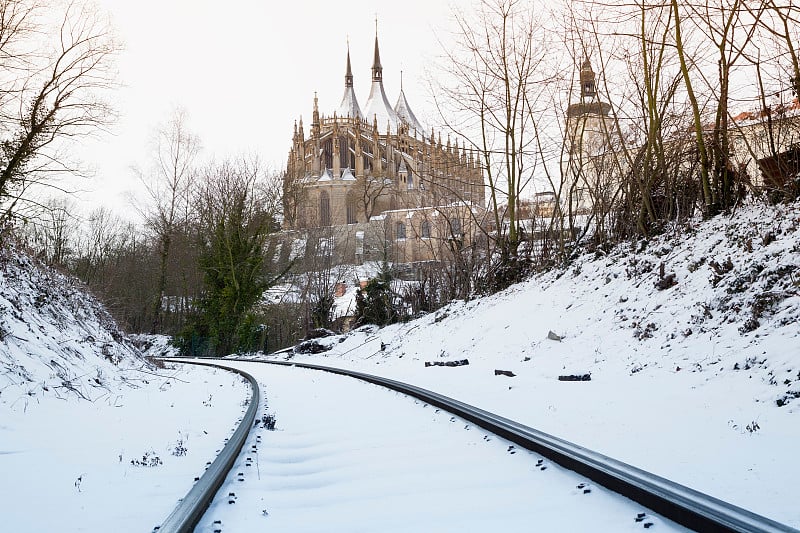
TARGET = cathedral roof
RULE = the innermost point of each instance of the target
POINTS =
(377, 106)
(349, 106)
(404, 113)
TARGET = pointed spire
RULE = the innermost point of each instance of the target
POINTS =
(587, 79)
(377, 69)
(349, 105)
(377, 106)
(348, 76)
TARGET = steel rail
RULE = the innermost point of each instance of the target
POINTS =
(191, 508)
(688, 507)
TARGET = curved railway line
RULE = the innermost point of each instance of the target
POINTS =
(685, 506)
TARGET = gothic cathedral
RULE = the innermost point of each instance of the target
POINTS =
(356, 165)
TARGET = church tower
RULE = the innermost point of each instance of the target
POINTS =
(589, 135)
(587, 120)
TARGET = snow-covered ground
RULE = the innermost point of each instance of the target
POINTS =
(350, 456)
(76, 465)
(698, 381)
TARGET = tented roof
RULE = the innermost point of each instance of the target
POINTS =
(404, 113)
(349, 106)
(378, 107)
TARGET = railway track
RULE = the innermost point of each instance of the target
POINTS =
(685, 506)
(188, 512)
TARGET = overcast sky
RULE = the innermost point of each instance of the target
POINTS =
(246, 71)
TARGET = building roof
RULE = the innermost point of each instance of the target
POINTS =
(377, 107)
(349, 106)
(588, 108)
(404, 113)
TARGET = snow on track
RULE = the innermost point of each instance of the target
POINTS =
(350, 456)
(66, 464)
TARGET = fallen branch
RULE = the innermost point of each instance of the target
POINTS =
(576, 377)
(460, 362)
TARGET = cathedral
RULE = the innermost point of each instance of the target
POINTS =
(358, 165)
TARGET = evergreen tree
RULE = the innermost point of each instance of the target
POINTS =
(234, 228)
(375, 303)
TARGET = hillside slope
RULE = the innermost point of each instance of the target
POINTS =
(90, 430)
(55, 339)
(695, 367)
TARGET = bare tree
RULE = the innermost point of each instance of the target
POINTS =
(104, 235)
(782, 21)
(50, 91)
(51, 234)
(729, 27)
(368, 191)
(492, 102)
(168, 185)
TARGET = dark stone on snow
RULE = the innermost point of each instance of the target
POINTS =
(504, 373)
(554, 336)
(666, 282)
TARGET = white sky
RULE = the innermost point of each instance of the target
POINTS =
(246, 72)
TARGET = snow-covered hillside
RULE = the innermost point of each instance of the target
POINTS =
(55, 339)
(694, 365)
(90, 431)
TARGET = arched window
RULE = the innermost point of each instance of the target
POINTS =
(324, 209)
(425, 230)
(351, 211)
(344, 153)
(327, 153)
(400, 231)
(455, 227)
